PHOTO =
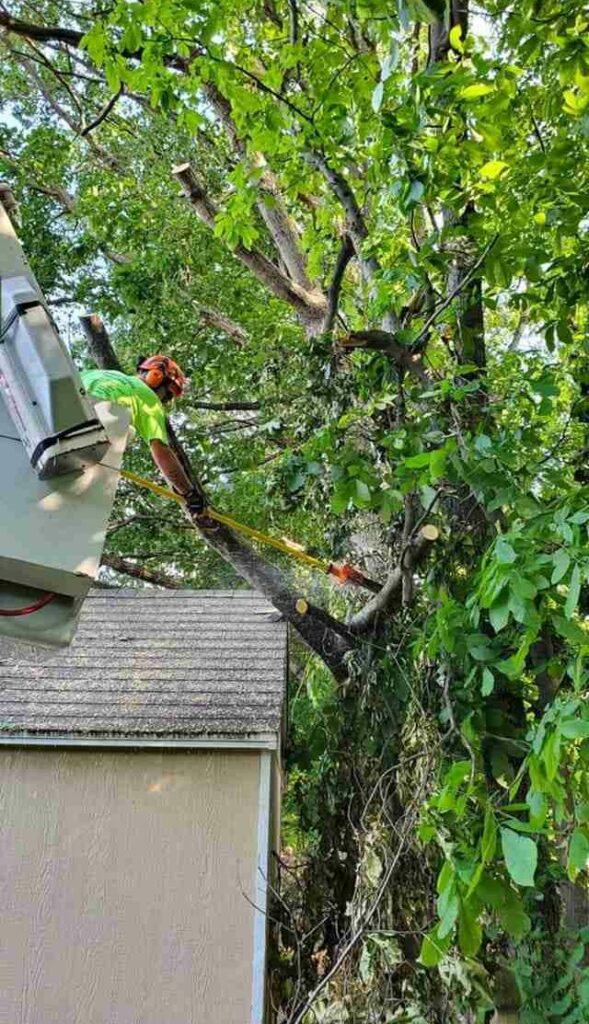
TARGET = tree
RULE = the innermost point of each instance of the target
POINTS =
(370, 226)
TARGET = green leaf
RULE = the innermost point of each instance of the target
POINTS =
(492, 891)
(455, 38)
(521, 856)
(438, 459)
(514, 920)
(377, 97)
(523, 588)
(131, 40)
(538, 808)
(499, 614)
(504, 552)
(488, 683)
(362, 491)
(578, 858)
(561, 562)
(445, 877)
(570, 631)
(493, 169)
(574, 592)
(448, 918)
(416, 191)
(470, 933)
(489, 838)
(476, 91)
(575, 729)
(417, 461)
(574, 104)
(433, 948)
(551, 754)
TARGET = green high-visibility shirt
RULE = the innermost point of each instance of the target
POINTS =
(147, 412)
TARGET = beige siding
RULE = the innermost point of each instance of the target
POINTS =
(123, 885)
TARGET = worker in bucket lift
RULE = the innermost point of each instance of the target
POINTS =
(159, 380)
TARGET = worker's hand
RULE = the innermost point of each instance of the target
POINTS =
(195, 502)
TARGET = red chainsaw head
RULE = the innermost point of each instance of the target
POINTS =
(158, 370)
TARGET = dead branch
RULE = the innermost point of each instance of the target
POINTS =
(226, 406)
(223, 323)
(158, 579)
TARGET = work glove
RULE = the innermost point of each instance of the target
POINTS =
(195, 501)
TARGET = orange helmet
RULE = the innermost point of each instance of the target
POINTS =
(162, 370)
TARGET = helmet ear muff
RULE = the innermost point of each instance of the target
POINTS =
(157, 370)
(153, 377)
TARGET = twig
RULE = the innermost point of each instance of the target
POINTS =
(103, 113)
(455, 291)
(410, 819)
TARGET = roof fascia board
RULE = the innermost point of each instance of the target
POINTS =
(265, 741)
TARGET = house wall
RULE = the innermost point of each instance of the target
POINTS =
(124, 886)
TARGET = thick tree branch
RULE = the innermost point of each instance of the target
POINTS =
(345, 255)
(311, 306)
(99, 342)
(391, 595)
(383, 341)
(439, 32)
(43, 33)
(324, 635)
(71, 37)
(355, 222)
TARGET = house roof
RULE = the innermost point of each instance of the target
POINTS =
(152, 663)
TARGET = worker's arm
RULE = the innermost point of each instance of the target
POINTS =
(170, 467)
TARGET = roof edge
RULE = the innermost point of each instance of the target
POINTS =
(264, 741)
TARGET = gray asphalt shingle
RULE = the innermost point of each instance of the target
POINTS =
(175, 663)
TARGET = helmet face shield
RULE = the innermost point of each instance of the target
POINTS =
(161, 370)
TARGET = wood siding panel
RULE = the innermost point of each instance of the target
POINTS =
(124, 885)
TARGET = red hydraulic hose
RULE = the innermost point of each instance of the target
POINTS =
(46, 599)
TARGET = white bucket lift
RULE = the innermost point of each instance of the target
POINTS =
(59, 457)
